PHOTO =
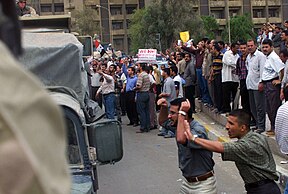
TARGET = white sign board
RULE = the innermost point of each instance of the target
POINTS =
(147, 54)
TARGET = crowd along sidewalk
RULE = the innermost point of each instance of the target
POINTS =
(215, 125)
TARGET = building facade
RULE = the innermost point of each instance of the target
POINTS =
(114, 15)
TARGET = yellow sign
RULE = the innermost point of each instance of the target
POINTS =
(184, 36)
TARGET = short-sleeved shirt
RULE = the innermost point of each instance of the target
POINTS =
(193, 159)
(169, 88)
(272, 67)
(178, 85)
(255, 64)
(252, 156)
(144, 82)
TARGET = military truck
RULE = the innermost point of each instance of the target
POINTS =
(56, 59)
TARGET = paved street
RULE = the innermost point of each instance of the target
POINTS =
(150, 166)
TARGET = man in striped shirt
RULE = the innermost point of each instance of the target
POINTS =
(281, 131)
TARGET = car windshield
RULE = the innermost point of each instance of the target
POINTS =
(73, 151)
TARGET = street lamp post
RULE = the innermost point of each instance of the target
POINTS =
(110, 23)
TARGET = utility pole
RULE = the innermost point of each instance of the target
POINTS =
(228, 20)
(158, 38)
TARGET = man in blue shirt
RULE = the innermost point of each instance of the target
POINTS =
(130, 94)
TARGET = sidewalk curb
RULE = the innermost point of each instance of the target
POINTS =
(216, 135)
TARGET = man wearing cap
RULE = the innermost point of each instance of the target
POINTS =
(23, 9)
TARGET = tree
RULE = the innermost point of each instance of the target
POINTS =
(164, 18)
(85, 24)
(210, 26)
(241, 29)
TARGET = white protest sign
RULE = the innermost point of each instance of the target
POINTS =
(147, 54)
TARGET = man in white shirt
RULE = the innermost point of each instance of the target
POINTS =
(255, 64)
(95, 82)
(284, 84)
(230, 80)
(272, 75)
(177, 81)
(108, 91)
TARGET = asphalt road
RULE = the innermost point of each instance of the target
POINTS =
(150, 166)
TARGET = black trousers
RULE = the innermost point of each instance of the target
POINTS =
(267, 188)
(244, 96)
(190, 95)
(217, 85)
(229, 90)
(131, 107)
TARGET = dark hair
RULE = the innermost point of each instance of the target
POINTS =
(177, 102)
(143, 65)
(242, 42)
(284, 52)
(132, 69)
(285, 32)
(217, 47)
(221, 43)
(267, 41)
(174, 69)
(167, 70)
(234, 44)
(187, 54)
(242, 116)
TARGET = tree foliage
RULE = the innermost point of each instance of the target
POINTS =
(85, 23)
(241, 28)
(210, 26)
(166, 17)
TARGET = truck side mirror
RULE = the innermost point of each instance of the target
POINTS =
(106, 136)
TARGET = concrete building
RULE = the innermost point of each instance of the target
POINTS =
(114, 15)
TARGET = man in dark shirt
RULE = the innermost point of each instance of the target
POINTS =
(251, 153)
(195, 162)
(242, 72)
(216, 76)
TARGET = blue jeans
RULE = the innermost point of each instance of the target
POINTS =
(286, 188)
(109, 103)
(203, 86)
(142, 102)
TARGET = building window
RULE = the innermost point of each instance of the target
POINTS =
(46, 7)
(234, 12)
(59, 7)
(128, 24)
(119, 43)
(116, 10)
(274, 12)
(218, 13)
(259, 13)
(117, 25)
(130, 9)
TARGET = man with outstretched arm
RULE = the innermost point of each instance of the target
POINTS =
(195, 162)
(251, 153)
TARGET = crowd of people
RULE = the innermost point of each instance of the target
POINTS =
(214, 74)
(208, 71)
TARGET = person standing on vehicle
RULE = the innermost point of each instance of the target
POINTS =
(95, 82)
(23, 9)
(107, 89)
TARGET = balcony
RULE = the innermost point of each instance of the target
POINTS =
(235, 3)
(115, 2)
(118, 32)
(221, 22)
(217, 3)
(259, 20)
(263, 3)
(117, 17)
